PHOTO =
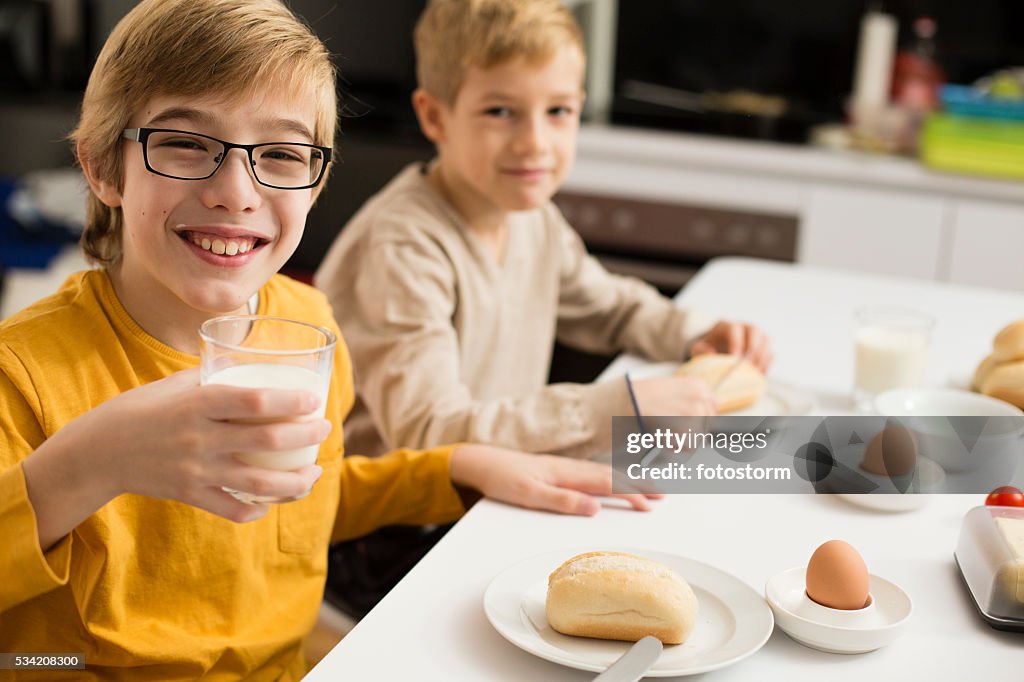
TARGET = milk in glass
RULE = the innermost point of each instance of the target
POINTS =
(890, 358)
(277, 376)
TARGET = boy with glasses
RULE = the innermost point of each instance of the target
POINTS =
(205, 136)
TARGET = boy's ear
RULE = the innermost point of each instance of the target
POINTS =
(428, 110)
(104, 189)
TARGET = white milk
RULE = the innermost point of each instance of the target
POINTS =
(890, 358)
(265, 375)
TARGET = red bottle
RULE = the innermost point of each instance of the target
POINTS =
(917, 76)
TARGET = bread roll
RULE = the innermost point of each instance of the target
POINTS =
(741, 388)
(613, 595)
(985, 368)
(1009, 343)
(1006, 382)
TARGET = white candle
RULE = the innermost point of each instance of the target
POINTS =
(875, 51)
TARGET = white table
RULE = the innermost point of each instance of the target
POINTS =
(432, 625)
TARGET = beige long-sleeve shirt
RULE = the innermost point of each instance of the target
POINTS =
(450, 345)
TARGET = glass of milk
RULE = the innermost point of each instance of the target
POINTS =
(892, 351)
(254, 351)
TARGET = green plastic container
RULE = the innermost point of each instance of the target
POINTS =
(979, 146)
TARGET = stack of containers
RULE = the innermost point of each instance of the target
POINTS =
(975, 133)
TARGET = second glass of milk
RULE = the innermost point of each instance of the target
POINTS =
(892, 351)
(253, 351)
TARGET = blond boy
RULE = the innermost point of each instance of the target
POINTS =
(454, 281)
(205, 136)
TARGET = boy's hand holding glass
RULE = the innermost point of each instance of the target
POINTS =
(254, 352)
(173, 439)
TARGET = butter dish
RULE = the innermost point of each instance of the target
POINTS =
(990, 554)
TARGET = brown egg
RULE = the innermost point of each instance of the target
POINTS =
(893, 452)
(837, 576)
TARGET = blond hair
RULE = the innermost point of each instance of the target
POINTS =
(228, 48)
(453, 35)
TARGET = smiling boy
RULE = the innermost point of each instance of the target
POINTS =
(205, 136)
(454, 281)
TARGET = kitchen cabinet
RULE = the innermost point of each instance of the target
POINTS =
(873, 231)
(868, 212)
(987, 244)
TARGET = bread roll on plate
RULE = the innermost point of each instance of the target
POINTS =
(614, 595)
(742, 388)
(1009, 343)
(985, 368)
(1006, 382)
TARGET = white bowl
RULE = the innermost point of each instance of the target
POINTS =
(834, 630)
(985, 450)
(941, 402)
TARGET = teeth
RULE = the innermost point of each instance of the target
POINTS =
(223, 247)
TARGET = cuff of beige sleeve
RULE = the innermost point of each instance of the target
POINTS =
(611, 399)
(27, 570)
(696, 323)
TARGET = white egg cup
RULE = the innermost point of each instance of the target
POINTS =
(837, 631)
(927, 478)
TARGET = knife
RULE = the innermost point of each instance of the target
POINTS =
(633, 664)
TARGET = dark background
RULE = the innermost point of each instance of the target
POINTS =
(800, 50)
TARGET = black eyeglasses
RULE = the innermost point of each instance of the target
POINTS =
(184, 155)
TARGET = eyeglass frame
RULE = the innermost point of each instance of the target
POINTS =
(141, 135)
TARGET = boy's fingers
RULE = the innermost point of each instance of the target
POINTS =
(638, 502)
(232, 402)
(273, 437)
(218, 502)
(585, 477)
(623, 485)
(270, 483)
(561, 500)
(735, 339)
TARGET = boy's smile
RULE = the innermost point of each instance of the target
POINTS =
(194, 249)
(224, 245)
(509, 139)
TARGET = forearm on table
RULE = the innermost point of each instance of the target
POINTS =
(564, 419)
(653, 328)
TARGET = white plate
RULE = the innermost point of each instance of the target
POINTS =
(733, 620)
(887, 503)
(779, 399)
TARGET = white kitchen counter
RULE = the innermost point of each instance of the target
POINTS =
(433, 627)
(784, 162)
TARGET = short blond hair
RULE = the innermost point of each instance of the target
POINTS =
(227, 48)
(454, 35)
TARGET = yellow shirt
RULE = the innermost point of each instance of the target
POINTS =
(152, 589)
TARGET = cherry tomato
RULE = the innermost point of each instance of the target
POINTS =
(1005, 496)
